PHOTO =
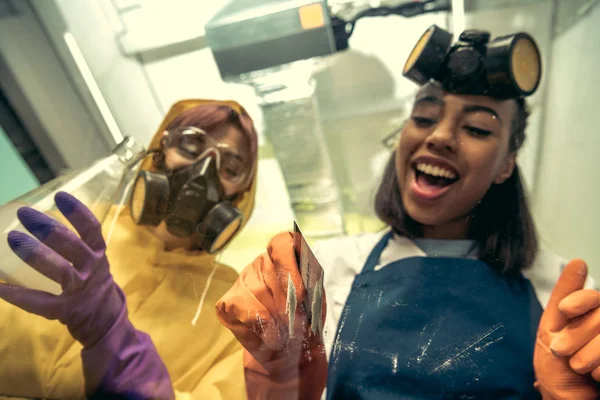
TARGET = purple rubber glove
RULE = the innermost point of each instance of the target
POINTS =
(117, 359)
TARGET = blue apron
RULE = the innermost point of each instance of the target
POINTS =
(435, 328)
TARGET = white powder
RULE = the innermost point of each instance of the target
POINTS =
(290, 307)
(316, 324)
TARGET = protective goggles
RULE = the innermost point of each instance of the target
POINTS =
(506, 67)
(195, 144)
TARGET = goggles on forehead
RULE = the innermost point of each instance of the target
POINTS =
(504, 68)
(195, 144)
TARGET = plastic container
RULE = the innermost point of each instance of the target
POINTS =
(99, 187)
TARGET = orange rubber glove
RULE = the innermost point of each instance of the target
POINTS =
(568, 339)
(281, 360)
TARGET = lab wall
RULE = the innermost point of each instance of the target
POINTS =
(94, 28)
(16, 178)
(567, 190)
(32, 73)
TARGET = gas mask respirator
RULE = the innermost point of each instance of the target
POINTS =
(504, 68)
(190, 200)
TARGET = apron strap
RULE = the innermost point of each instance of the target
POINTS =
(375, 254)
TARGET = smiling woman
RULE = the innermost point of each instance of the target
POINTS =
(456, 287)
(454, 176)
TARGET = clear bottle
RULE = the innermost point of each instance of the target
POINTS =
(98, 187)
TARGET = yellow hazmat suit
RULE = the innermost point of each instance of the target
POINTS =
(166, 291)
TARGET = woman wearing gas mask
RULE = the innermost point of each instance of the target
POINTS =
(454, 299)
(188, 201)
